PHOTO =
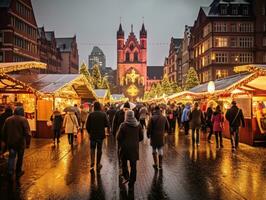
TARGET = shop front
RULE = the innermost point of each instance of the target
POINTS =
(41, 94)
(249, 91)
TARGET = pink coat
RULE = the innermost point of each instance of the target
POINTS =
(217, 121)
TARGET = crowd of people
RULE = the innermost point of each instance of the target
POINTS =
(127, 123)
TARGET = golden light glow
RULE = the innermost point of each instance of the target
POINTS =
(132, 90)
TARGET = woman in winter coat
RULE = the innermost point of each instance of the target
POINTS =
(196, 120)
(129, 135)
(217, 121)
(57, 120)
(71, 126)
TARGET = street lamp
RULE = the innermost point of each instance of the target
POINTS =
(211, 87)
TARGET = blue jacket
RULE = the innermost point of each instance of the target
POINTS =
(185, 114)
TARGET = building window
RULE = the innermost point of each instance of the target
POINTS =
(234, 10)
(1, 56)
(246, 42)
(246, 27)
(221, 41)
(246, 58)
(206, 76)
(221, 57)
(127, 56)
(220, 27)
(264, 58)
(233, 42)
(221, 73)
(223, 10)
(233, 28)
(245, 10)
(206, 30)
(264, 42)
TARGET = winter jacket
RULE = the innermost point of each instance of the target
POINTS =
(15, 130)
(96, 123)
(119, 118)
(128, 137)
(57, 120)
(83, 115)
(71, 123)
(217, 121)
(208, 115)
(157, 126)
(185, 114)
(196, 119)
(235, 120)
(8, 113)
(111, 114)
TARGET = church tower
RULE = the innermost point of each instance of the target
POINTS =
(132, 62)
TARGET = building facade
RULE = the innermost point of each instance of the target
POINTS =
(172, 63)
(18, 31)
(226, 34)
(132, 62)
(154, 76)
(97, 57)
(69, 53)
(49, 53)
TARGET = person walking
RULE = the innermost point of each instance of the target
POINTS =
(208, 116)
(143, 113)
(111, 114)
(71, 126)
(96, 123)
(57, 122)
(129, 135)
(235, 117)
(217, 121)
(6, 114)
(16, 130)
(171, 117)
(196, 119)
(185, 118)
(157, 126)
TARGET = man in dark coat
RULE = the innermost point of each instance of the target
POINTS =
(157, 126)
(129, 135)
(119, 117)
(57, 120)
(96, 123)
(235, 117)
(111, 114)
(209, 124)
(16, 129)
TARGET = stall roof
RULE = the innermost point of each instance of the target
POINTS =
(221, 84)
(17, 66)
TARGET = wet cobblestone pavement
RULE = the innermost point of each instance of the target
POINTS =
(59, 172)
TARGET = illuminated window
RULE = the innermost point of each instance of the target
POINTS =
(221, 73)
(221, 57)
(206, 76)
(221, 42)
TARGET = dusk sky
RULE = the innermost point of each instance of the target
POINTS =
(95, 22)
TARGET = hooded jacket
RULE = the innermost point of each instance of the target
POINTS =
(185, 114)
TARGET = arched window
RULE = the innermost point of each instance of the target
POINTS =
(127, 56)
(136, 57)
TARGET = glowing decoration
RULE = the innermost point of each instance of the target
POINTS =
(132, 90)
(211, 87)
(132, 76)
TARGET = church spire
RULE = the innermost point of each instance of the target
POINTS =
(131, 28)
(120, 31)
(143, 32)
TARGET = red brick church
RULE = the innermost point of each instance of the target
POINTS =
(133, 74)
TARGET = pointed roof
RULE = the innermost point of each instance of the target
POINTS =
(120, 31)
(143, 31)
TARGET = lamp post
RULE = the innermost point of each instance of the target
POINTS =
(211, 87)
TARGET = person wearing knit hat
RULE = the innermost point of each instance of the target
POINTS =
(129, 135)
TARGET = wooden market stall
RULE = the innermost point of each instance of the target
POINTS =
(42, 93)
(248, 89)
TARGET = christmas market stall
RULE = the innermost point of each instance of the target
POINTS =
(183, 97)
(248, 89)
(40, 94)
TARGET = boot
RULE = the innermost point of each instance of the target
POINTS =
(160, 162)
(155, 166)
(92, 159)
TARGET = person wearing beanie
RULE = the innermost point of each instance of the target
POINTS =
(157, 126)
(16, 129)
(129, 135)
(96, 123)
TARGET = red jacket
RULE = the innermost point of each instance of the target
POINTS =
(217, 120)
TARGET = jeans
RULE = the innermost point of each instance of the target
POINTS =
(186, 126)
(218, 135)
(96, 143)
(57, 134)
(197, 135)
(133, 171)
(12, 159)
(70, 138)
(234, 133)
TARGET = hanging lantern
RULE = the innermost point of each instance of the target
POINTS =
(211, 87)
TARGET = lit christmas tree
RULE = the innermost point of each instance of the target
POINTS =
(96, 77)
(192, 79)
(84, 70)
(166, 86)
